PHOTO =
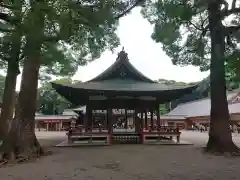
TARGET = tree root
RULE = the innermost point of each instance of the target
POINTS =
(27, 156)
(226, 149)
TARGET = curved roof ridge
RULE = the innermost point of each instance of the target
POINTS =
(122, 60)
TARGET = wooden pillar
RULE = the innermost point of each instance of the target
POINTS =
(60, 125)
(105, 120)
(146, 120)
(158, 116)
(126, 120)
(109, 120)
(151, 112)
(137, 122)
(88, 119)
(133, 119)
(85, 122)
(47, 127)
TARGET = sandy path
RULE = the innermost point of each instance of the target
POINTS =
(125, 162)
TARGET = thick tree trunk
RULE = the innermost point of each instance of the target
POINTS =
(9, 100)
(21, 140)
(26, 107)
(9, 97)
(220, 138)
(23, 129)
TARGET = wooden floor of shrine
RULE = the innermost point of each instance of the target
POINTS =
(121, 136)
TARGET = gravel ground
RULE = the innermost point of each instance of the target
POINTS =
(126, 162)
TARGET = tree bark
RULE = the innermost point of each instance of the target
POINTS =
(9, 97)
(220, 137)
(26, 107)
(22, 140)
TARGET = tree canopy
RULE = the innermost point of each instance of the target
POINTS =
(202, 33)
(182, 27)
(49, 101)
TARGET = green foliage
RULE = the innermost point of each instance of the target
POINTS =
(82, 31)
(164, 108)
(74, 33)
(203, 89)
(50, 102)
(181, 26)
(172, 82)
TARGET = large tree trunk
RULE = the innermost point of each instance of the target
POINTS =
(9, 97)
(27, 102)
(23, 130)
(21, 140)
(220, 138)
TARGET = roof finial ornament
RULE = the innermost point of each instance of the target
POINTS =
(122, 55)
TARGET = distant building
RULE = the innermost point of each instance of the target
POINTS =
(53, 122)
(198, 111)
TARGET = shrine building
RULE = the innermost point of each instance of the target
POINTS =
(121, 102)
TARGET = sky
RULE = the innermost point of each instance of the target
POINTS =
(146, 55)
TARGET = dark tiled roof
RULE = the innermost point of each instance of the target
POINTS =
(121, 76)
(125, 85)
(121, 79)
(202, 107)
(122, 68)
